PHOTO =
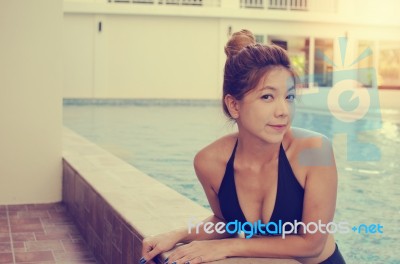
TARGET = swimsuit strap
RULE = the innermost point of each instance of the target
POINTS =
(228, 199)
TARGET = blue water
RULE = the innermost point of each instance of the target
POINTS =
(162, 137)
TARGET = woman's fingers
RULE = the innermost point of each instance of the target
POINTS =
(149, 251)
(148, 256)
(185, 254)
(196, 260)
(186, 260)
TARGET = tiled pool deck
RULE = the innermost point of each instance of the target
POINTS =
(43, 233)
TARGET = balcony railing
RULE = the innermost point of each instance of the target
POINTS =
(326, 6)
(172, 2)
(275, 4)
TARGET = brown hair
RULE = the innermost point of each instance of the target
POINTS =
(247, 62)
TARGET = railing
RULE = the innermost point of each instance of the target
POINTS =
(172, 2)
(275, 4)
(252, 4)
(326, 6)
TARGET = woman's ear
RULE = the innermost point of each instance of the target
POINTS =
(232, 105)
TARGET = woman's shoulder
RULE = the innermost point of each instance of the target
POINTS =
(212, 159)
(309, 147)
(304, 137)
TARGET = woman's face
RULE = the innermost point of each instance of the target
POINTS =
(267, 110)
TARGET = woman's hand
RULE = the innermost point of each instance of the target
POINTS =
(152, 246)
(199, 252)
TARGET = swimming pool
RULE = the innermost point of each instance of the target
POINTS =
(161, 138)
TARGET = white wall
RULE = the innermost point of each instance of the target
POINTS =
(141, 57)
(78, 55)
(30, 101)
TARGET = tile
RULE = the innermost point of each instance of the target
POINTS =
(43, 245)
(117, 232)
(68, 185)
(52, 236)
(17, 207)
(127, 247)
(75, 236)
(32, 214)
(5, 248)
(13, 213)
(24, 221)
(23, 236)
(19, 247)
(107, 242)
(108, 213)
(6, 258)
(98, 211)
(23, 257)
(4, 226)
(60, 216)
(62, 256)
(39, 262)
(4, 229)
(24, 225)
(66, 229)
(3, 215)
(27, 228)
(4, 237)
(116, 257)
(44, 207)
(71, 246)
(94, 243)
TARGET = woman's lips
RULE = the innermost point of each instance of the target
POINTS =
(278, 127)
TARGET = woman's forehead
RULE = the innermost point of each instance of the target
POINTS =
(276, 79)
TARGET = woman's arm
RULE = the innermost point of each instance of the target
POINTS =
(152, 246)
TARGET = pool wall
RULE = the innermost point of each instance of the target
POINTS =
(115, 205)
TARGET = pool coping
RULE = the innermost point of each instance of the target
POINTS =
(115, 205)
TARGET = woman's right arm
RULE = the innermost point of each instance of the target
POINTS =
(152, 246)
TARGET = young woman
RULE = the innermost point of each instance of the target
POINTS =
(267, 171)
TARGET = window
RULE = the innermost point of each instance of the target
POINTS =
(366, 70)
(322, 67)
(298, 51)
(389, 64)
(259, 39)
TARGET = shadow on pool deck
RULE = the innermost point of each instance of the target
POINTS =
(40, 233)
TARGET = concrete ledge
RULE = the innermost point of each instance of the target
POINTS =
(115, 205)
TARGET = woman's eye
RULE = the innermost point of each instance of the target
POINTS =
(291, 97)
(267, 96)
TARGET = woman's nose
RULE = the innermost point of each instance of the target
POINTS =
(282, 108)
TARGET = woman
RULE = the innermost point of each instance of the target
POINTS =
(266, 171)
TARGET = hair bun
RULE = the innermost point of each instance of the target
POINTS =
(238, 41)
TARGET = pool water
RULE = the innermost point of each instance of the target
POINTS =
(161, 138)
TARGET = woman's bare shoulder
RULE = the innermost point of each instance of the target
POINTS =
(311, 148)
(210, 161)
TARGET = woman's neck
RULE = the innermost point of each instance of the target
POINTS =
(254, 152)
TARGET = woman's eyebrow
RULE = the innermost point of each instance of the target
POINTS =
(274, 89)
(268, 88)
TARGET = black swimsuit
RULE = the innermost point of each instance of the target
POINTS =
(288, 204)
(289, 196)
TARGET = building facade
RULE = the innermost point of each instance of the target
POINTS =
(174, 48)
